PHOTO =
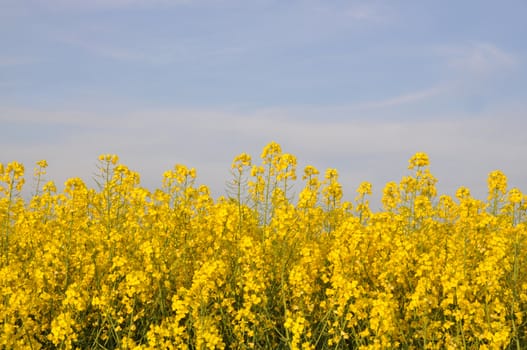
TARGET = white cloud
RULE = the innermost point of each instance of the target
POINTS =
(471, 65)
(88, 5)
(150, 53)
(478, 58)
(462, 150)
(404, 99)
(367, 12)
(122, 54)
(16, 60)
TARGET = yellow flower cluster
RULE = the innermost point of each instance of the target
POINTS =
(119, 266)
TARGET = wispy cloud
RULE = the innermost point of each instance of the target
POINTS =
(478, 58)
(374, 150)
(119, 53)
(150, 53)
(469, 62)
(355, 11)
(82, 5)
(367, 12)
(404, 99)
(17, 60)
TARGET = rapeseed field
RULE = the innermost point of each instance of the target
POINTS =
(119, 266)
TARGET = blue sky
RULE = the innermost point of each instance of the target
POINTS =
(355, 85)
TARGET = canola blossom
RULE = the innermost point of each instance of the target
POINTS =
(278, 263)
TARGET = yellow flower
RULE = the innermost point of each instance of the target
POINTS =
(515, 196)
(42, 163)
(418, 160)
(364, 188)
(241, 161)
(497, 184)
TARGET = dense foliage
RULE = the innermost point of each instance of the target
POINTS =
(120, 266)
